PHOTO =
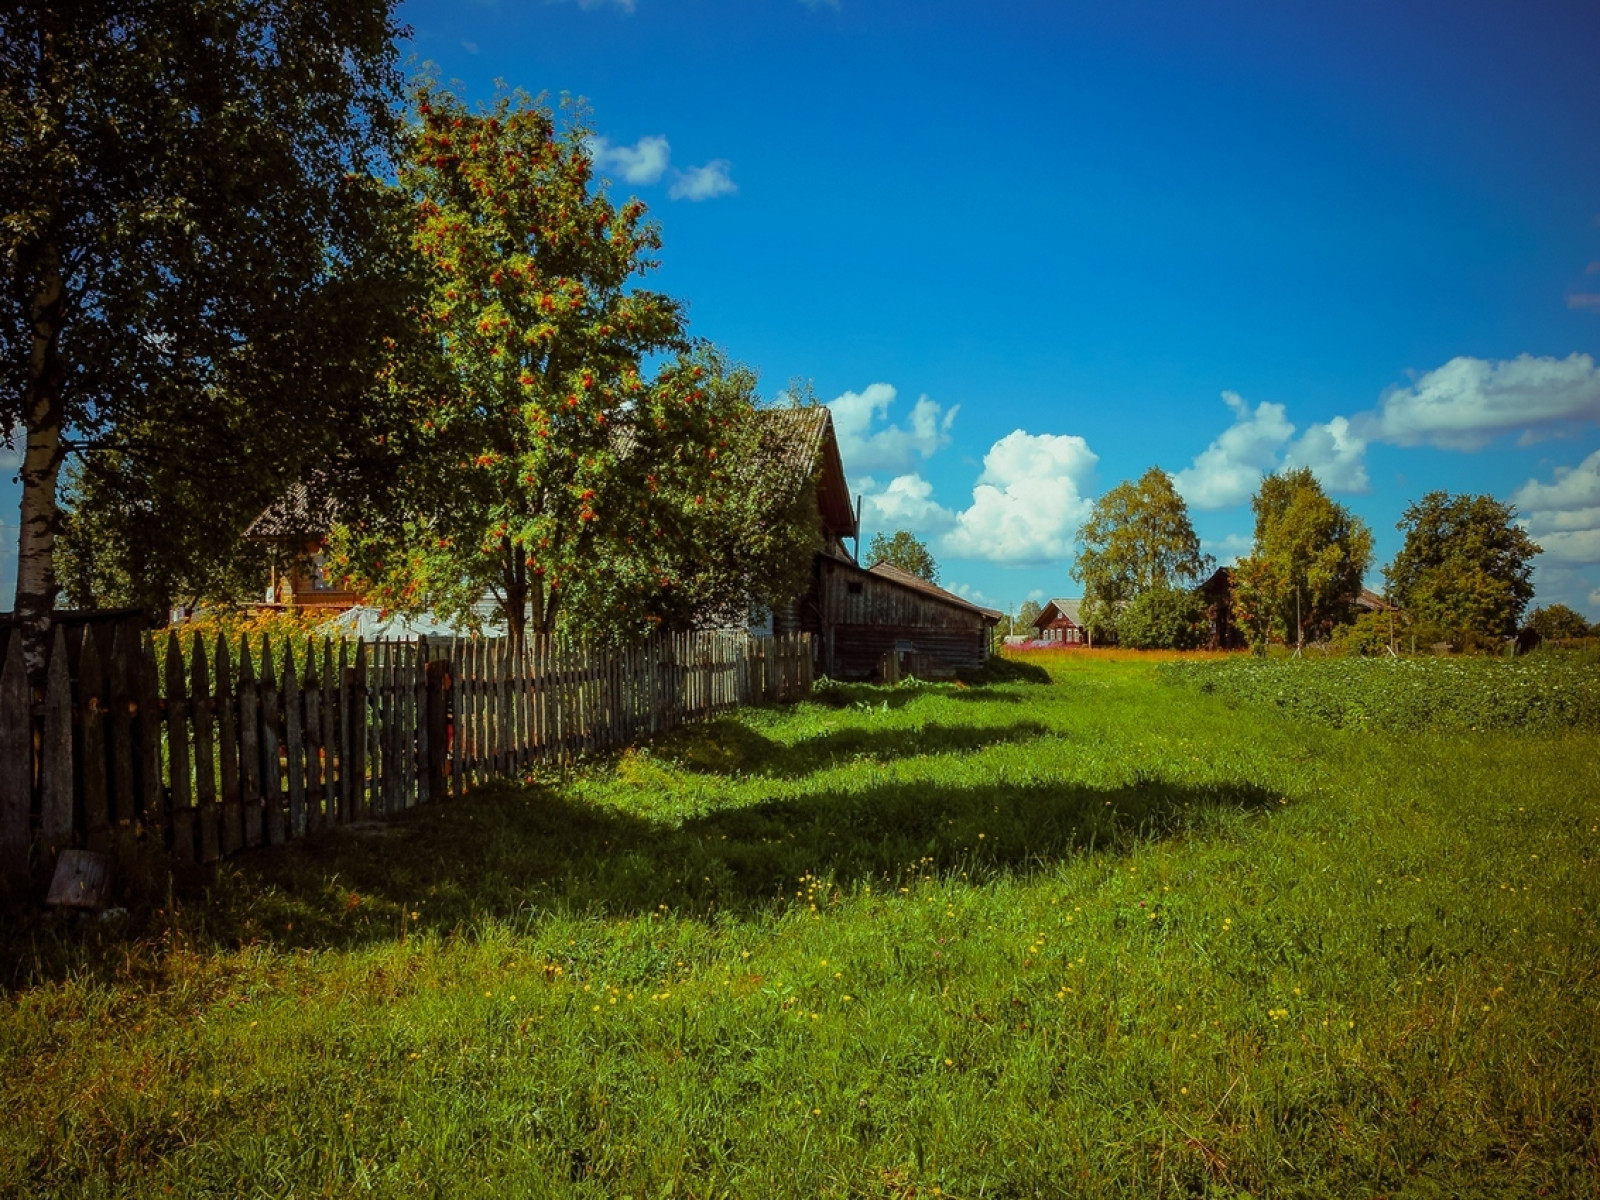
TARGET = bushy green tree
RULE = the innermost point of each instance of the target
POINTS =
(188, 188)
(1163, 618)
(1556, 621)
(1305, 567)
(906, 551)
(1026, 616)
(1138, 539)
(1465, 572)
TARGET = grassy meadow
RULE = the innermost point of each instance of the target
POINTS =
(1104, 928)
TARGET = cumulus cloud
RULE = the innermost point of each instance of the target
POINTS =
(892, 447)
(1228, 471)
(1468, 402)
(1028, 502)
(1335, 453)
(906, 503)
(703, 183)
(1563, 516)
(644, 162)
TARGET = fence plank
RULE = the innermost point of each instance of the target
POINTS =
(122, 691)
(330, 734)
(311, 697)
(92, 746)
(271, 745)
(205, 779)
(55, 751)
(346, 750)
(356, 717)
(178, 754)
(227, 727)
(16, 766)
(294, 743)
(252, 797)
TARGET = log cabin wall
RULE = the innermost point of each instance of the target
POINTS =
(857, 617)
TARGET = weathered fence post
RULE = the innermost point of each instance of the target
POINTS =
(436, 722)
(55, 754)
(16, 766)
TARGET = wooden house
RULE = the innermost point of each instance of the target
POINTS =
(1061, 624)
(868, 622)
(1217, 594)
(295, 530)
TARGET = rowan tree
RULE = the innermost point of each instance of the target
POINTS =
(1138, 539)
(906, 551)
(188, 190)
(1305, 567)
(1465, 572)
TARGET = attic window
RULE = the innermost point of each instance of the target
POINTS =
(854, 589)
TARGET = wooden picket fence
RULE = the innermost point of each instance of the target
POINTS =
(203, 747)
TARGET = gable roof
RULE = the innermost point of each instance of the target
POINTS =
(1068, 608)
(906, 579)
(302, 511)
(800, 442)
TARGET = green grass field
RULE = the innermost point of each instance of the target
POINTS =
(1108, 934)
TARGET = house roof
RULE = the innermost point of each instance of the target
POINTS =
(302, 511)
(906, 579)
(1061, 607)
(1372, 602)
(801, 443)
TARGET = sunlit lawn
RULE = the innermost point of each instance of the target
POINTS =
(1100, 935)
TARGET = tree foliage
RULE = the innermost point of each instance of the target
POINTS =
(536, 459)
(906, 551)
(1305, 568)
(190, 195)
(1465, 571)
(1163, 618)
(1138, 539)
(1026, 616)
(1557, 621)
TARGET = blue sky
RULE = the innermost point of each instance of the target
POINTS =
(1027, 250)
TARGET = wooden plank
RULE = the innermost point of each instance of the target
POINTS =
(122, 691)
(271, 743)
(227, 727)
(150, 737)
(178, 785)
(437, 721)
(82, 880)
(311, 699)
(330, 733)
(92, 747)
(205, 779)
(294, 744)
(55, 751)
(342, 789)
(453, 697)
(16, 769)
(252, 792)
(356, 721)
(415, 732)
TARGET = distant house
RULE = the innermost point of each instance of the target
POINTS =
(1061, 624)
(1217, 593)
(294, 528)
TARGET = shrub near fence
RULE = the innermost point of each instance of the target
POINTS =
(201, 747)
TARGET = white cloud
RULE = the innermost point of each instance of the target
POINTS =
(893, 447)
(1563, 516)
(907, 503)
(1229, 470)
(641, 163)
(470, 47)
(1468, 402)
(1335, 454)
(1037, 595)
(1028, 502)
(702, 183)
(1594, 599)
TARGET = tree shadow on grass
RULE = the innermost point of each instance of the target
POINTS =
(515, 853)
(728, 746)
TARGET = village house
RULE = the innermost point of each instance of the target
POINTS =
(866, 622)
(1061, 624)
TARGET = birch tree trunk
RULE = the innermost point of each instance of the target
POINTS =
(41, 464)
